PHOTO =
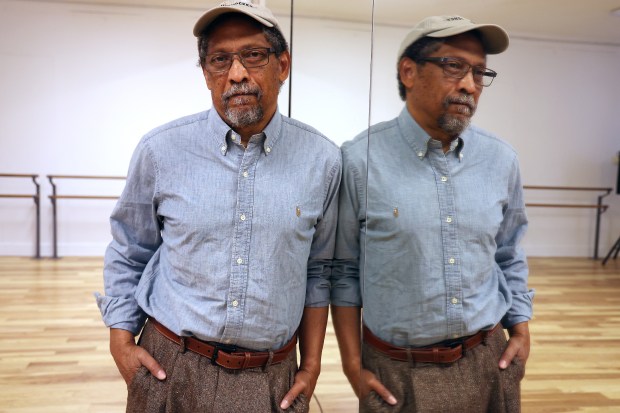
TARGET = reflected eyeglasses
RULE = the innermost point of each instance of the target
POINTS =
(458, 69)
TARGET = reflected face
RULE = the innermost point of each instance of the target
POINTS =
(245, 98)
(444, 105)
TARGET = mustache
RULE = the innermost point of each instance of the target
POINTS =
(241, 89)
(461, 99)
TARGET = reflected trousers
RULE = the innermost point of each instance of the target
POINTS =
(472, 384)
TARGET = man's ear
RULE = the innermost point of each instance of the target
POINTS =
(284, 61)
(407, 69)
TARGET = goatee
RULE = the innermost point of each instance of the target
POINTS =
(452, 124)
(239, 117)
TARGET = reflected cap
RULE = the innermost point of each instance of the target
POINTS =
(261, 14)
(494, 38)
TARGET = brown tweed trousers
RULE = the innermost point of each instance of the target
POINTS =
(473, 384)
(195, 385)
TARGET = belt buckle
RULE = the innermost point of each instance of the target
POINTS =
(456, 343)
(217, 347)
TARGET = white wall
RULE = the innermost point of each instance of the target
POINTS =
(81, 84)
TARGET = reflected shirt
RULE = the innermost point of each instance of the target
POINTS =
(220, 242)
(433, 252)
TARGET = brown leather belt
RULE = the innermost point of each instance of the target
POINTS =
(236, 360)
(430, 354)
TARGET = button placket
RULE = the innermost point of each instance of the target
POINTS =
(449, 237)
(241, 239)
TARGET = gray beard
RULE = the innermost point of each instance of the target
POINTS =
(455, 125)
(241, 117)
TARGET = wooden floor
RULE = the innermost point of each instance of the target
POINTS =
(54, 350)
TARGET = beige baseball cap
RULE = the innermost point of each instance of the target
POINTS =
(258, 13)
(494, 38)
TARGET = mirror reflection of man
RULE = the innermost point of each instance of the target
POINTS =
(223, 239)
(434, 254)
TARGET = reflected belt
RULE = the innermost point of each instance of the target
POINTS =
(428, 354)
(235, 360)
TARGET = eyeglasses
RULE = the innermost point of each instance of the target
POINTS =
(458, 69)
(249, 58)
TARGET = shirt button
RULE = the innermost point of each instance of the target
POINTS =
(239, 261)
(449, 219)
(268, 149)
(454, 300)
(444, 179)
(451, 260)
(245, 174)
(242, 217)
(420, 154)
(235, 303)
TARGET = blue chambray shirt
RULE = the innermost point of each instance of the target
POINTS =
(437, 245)
(222, 243)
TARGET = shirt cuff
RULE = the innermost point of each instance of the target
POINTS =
(521, 309)
(123, 313)
(346, 295)
(317, 293)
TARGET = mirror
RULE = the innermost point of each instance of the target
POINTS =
(530, 106)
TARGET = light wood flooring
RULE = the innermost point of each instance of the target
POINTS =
(54, 349)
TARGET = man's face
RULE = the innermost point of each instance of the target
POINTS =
(245, 98)
(442, 104)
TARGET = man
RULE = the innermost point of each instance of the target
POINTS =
(430, 240)
(223, 239)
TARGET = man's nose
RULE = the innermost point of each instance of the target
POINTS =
(237, 72)
(467, 82)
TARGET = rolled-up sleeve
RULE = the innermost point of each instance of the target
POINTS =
(135, 238)
(345, 279)
(510, 256)
(323, 242)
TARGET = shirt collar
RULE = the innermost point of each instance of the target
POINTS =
(223, 134)
(420, 141)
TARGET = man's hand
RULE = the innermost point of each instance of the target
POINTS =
(129, 357)
(311, 336)
(305, 382)
(364, 381)
(369, 382)
(347, 324)
(518, 345)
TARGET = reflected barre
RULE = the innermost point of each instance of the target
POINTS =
(600, 208)
(55, 197)
(37, 201)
